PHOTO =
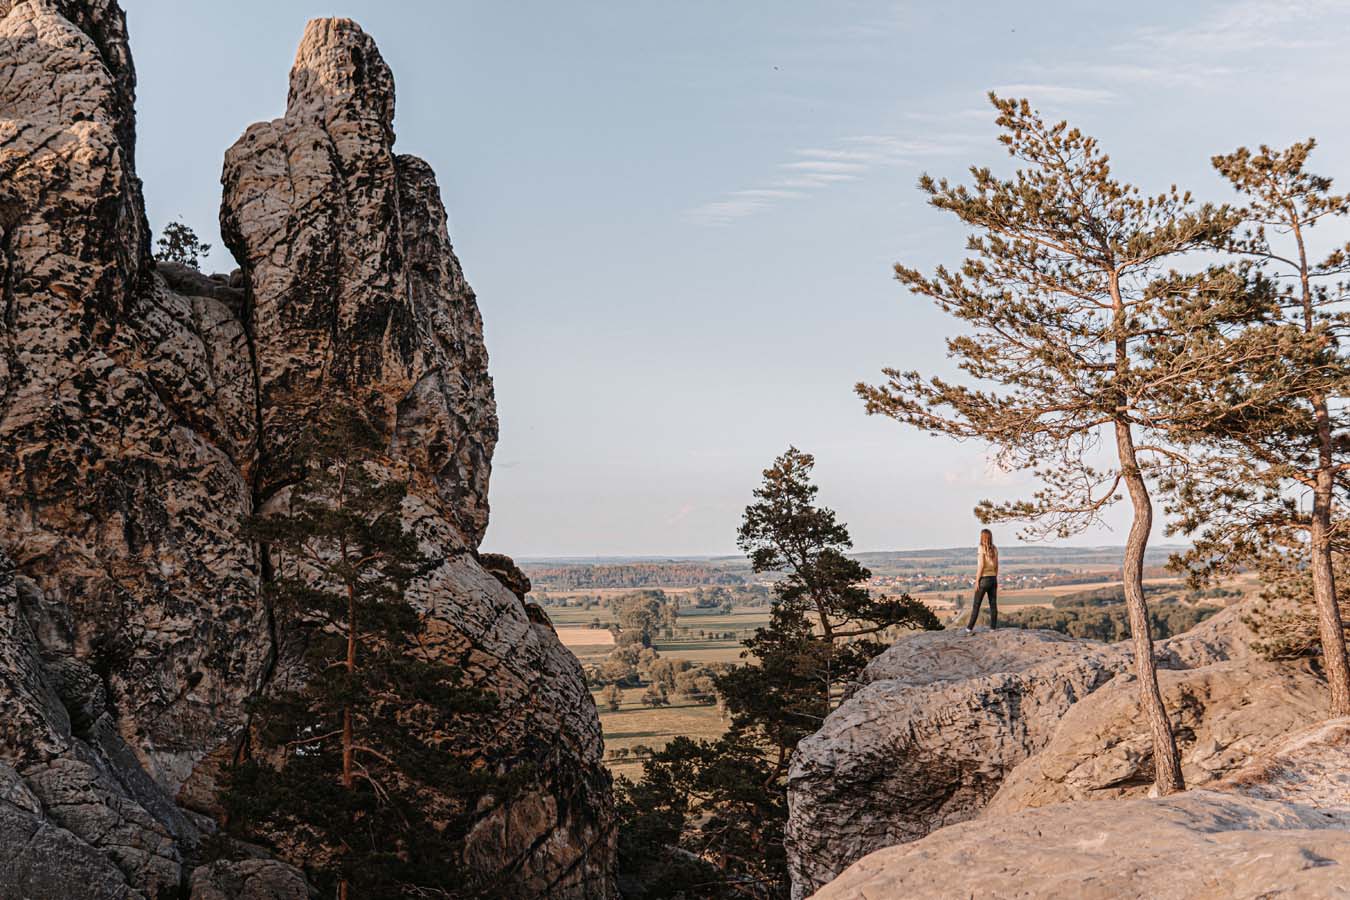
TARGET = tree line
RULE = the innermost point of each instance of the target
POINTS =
(628, 575)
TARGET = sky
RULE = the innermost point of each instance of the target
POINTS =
(680, 218)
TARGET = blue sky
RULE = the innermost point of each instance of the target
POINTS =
(680, 218)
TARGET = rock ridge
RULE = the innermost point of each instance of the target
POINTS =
(1279, 826)
(948, 728)
(146, 409)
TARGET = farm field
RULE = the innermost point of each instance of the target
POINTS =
(711, 635)
(637, 725)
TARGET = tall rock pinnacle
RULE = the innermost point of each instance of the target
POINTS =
(355, 288)
(147, 409)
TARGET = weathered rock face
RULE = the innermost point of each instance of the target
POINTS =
(1279, 827)
(354, 290)
(927, 741)
(146, 409)
(354, 286)
(1223, 714)
(120, 510)
(952, 728)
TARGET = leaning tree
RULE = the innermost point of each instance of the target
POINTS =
(1056, 296)
(1270, 422)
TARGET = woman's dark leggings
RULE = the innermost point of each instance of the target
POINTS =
(987, 587)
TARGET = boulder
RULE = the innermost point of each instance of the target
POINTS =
(948, 724)
(1222, 715)
(249, 879)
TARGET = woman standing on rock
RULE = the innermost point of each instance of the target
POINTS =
(986, 581)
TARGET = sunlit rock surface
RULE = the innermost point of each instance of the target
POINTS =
(1278, 827)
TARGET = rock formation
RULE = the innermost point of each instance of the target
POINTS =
(1279, 827)
(926, 742)
(948, 728)
(146, 409)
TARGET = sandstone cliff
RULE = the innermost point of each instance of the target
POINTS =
(144, 410)
(1279, 827)
(948, 728)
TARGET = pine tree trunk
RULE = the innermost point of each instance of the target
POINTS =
(1324, 595)
(1324, 578)
(348, 736)
(1166, 761)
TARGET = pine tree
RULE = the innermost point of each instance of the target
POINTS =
(1270, 414)
(180, 244)
(723, 804)
(822, 592)
(1057, 293)
(354, 774)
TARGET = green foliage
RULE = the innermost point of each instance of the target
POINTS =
(640, 615)
(655, 695)
(1056, 293)
(706, 821)
(629, 575)
(354, 776)
(707, 818)
(179, 244)
(1284, 622)
(1107, 596)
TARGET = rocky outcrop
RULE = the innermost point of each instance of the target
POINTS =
(249, 879)
(950, 728)
(146, 409)
(354, 287)
(1278, 827)
(355, 291)
(926, 742)
(1223, 714)
(120, 510)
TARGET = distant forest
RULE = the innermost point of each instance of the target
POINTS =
(628, 575)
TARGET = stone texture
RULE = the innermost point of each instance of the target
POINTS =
(119, 510)
(949, 726)
(146, 408)
(44, 862)
(1222, 715)
(356, 291)
(354, 285)
(83, 792)
(926, 742)
(504, 569)
(1277, 828)
(250, 879)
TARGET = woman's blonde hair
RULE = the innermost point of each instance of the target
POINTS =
(987, 540)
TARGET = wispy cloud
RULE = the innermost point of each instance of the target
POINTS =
(812, 169)
(1244, 27)
(1195, 55)
(827, 166)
